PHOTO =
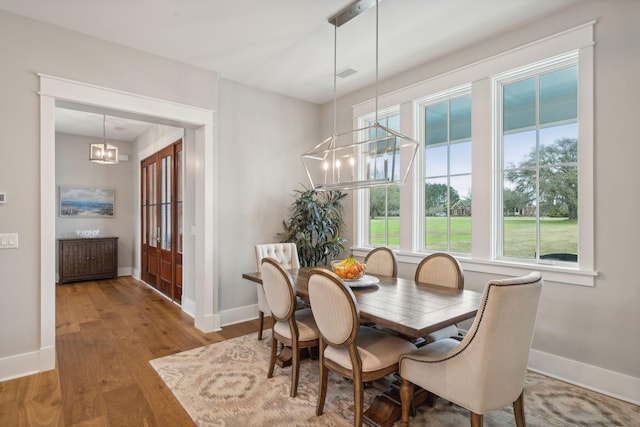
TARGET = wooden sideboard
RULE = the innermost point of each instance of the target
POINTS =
(87, 259)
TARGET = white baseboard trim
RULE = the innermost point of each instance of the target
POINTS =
(189, 306)
(610, 383)
(208, 323)
(24, 364)
(240, 314)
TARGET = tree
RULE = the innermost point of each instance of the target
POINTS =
(513, 201)
(435, 198)
(558, 177)
(379, 204)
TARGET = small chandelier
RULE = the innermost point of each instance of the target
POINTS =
(104, 153)
(373, 156)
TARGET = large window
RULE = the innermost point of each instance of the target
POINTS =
(539, 162)
(517, 134)
(447, 173)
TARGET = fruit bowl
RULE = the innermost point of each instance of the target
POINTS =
(349, 269)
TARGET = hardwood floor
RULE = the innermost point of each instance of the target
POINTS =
(106, 333)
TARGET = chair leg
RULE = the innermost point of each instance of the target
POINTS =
(518, 410)
(358, 399)
(272, 360)
(261, 325)
(295, 368)
(476, 420)
(324, 375)
(406, 396)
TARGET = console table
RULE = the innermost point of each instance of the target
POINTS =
(87, 259)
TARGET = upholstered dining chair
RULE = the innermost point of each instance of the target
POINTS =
(486, 370)
(356, 352)
(443, 270)
(382, 261)
(295, 329)
(287, 255)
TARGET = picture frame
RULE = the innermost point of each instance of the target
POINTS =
(86, 202)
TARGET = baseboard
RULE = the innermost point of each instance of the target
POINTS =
(610, 383)
(125, 271)
(25, 364)
(208, 323)
(189, 306)
(237, 315)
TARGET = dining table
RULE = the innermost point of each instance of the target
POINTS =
(403, 306)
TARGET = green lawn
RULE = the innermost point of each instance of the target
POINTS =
(557, 235)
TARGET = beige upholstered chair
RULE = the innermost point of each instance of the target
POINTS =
(353, 351)
(443, 270)
(287, 255)
(486, 370)
(295, 329)
(382, 261)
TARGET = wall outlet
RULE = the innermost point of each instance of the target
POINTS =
(3, 198)
(8, 240)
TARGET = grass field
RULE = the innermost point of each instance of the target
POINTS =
(557, 235)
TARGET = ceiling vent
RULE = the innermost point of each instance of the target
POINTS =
(345, 72)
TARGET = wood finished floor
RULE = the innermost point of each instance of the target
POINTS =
(106, 333)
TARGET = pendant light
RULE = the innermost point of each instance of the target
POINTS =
(104, 153)
(373, 156)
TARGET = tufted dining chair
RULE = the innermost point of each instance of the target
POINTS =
(443, 270)
(486, 370)
(287, 255)
(295, 329)
(356, 352)
(382, 261)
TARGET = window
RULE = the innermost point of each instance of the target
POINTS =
(384, 202)
(538, 146)
(516, 131)
(447, 172)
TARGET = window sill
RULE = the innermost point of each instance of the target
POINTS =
(551, 273)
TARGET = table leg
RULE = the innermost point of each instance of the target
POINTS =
(386, 408)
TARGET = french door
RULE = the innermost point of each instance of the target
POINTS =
(161, 210)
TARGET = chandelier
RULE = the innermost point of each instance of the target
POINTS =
(104, 153)
(372, 156)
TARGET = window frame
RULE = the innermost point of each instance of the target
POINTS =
(483, 257)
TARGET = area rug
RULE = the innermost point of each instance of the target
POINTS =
(226, 384)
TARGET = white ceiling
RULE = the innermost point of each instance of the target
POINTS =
(287, 46)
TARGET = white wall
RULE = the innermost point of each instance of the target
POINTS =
(262, 135)
(582, 329)
(73, 168)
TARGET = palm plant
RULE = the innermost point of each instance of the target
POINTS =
(314, 225)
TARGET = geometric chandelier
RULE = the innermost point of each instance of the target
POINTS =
(373, 156)
(104, 153)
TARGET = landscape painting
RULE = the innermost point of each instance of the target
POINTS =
(86, 202)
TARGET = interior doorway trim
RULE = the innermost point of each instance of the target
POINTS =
(55, 91)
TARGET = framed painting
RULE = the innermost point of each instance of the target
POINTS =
(86, 202)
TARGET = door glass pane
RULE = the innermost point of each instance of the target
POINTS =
(178, 182)
(153, 211)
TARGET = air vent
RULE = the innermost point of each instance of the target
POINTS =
(345, 72)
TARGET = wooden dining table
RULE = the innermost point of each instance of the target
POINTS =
(409, 308)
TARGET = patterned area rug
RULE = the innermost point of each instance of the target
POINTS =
(226, 384)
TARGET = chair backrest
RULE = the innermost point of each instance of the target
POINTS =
(279, 289)
(285, 253)
(334, 308)
(382, 261)
(440, 269)
(496, 348)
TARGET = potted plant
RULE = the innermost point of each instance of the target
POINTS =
(315, 225)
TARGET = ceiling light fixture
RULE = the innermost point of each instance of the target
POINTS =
(104, 153)
(373, 156)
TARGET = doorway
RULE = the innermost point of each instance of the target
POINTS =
(55, 91)
(161, 209)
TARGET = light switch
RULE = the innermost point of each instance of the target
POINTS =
(9, 241)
